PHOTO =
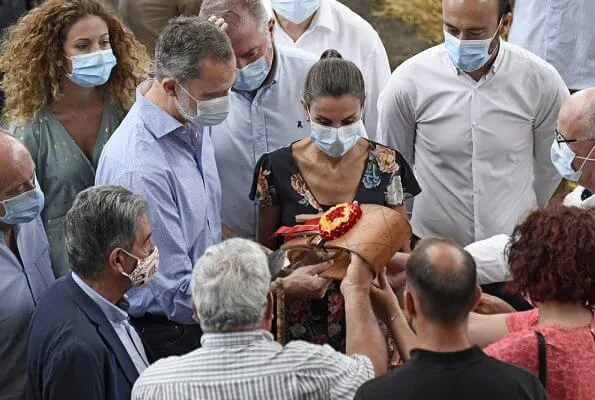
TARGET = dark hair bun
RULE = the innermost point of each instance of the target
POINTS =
(331, 53)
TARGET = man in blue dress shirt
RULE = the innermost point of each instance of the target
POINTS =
(163, 151)
(265, 112)
(25, 270)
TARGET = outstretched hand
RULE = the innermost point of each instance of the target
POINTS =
(489, 304)
(384, 299)
(306, 281)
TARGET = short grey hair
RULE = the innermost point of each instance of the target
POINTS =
(230, 283)
(184, 43)
(101, 219)
(235, 11)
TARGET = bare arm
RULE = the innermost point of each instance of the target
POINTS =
(363, 333)
(486, 329)
(269, 220)
(389, 311)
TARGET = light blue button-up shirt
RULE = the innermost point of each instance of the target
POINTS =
(173, 166)
(561, 32)
(22, 283)
(118, 319)
(256, 125)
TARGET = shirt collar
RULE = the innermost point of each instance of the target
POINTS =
(228, 339)
(156, 119)
(324, 17)
(113, 313)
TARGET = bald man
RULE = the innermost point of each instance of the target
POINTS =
(441, 292)
(475, 115)
(573, 155)
(25, 270)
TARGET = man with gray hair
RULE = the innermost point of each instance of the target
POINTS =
(240, 360)
(266, 113)
(163, 151)
(25, 271)
(81, 344)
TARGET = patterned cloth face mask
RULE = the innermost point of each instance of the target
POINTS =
(146, 268)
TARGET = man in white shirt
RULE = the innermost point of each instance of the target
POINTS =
(573, 154)
(265, 112)
(239, 359)
(476, 117)
(318, 25)
(561, 32)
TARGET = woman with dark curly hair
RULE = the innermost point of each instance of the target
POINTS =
(71, 69)
(552, 262)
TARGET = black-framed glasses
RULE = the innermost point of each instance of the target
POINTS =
(561, 139)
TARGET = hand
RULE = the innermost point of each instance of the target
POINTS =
(384, 299)
(305, 281)
(359, 275)
(489, 304)
(220, 22)
(396, 269)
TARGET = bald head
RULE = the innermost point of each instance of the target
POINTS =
(576, 119)
(443, 278)
(16, 167)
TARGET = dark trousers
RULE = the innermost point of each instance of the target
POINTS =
(166, 338)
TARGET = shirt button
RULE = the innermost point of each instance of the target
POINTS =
(259, 137)
(255, 104)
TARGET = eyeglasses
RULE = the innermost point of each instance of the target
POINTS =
(561, 139)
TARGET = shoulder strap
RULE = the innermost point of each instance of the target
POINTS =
(541, 358)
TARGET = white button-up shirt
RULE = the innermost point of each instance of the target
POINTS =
(490, 254)
(256, 125)
(561, 32)
(335, 26)
(481, 150)
(249, 365)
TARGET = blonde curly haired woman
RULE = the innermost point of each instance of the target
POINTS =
(71, 69)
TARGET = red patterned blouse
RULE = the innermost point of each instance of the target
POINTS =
(570, 354)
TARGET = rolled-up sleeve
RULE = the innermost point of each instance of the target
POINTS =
(490, 258)
(343, 374)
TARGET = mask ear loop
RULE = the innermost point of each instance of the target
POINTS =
(585, 159)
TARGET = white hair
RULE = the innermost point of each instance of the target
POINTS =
(230, 283)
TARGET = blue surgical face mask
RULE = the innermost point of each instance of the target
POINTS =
(252, 75)
(208, 112)
(94, 69)
(23, 208)
(562, 158)
(296, 11)
(468, 55)
(335, 142)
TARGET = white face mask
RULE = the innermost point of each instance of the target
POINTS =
(335, 142)
(146, 268)
(208, 112)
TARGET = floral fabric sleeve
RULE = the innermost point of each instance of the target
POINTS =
(401, 182)
(264, 189)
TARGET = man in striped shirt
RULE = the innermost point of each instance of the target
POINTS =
(239, 359)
